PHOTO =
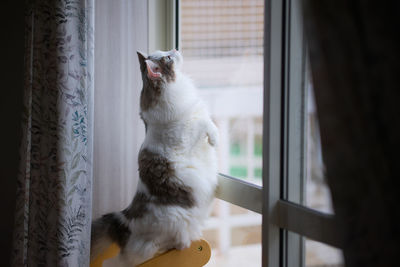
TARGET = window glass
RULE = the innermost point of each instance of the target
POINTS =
(235, 236)
(222, 45)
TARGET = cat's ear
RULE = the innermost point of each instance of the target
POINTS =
(142, 57)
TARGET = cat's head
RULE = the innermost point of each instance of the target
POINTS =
(161, 66)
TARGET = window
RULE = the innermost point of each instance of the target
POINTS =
(249, 59)
(222, 44)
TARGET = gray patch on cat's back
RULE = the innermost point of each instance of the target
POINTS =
(112, 224)
(138, 207)
(157, 173)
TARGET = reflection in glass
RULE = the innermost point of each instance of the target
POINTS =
(317, 191)
(319, 254)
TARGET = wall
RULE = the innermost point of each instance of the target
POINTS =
(11, 64)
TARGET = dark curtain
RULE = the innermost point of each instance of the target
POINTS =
(355, 57)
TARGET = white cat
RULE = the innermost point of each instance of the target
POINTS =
(177, 168)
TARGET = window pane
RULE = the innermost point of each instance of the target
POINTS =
(222, 46)
(235, 236)
(319, 254)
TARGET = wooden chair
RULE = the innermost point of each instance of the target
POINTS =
(197, 255)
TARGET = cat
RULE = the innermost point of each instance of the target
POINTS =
(177, 168)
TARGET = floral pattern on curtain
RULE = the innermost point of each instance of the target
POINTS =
(53, 213)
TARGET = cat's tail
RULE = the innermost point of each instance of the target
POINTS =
(108, 229)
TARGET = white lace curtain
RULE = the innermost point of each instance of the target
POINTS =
(53, 209)
(81, 126)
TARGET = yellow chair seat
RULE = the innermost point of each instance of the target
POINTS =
(197, 255)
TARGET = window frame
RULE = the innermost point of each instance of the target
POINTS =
(285, 221)
(163, 24)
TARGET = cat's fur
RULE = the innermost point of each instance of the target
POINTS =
(177, 168)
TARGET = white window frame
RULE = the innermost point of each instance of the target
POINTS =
(162, 24)
(285, 221)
